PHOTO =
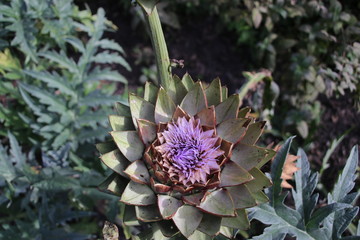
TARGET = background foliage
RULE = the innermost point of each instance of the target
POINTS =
(57, 84)
(60, 73)
(311, 47)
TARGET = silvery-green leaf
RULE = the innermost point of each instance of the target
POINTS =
(187, 218)
(215, 201)
(138, 194)
(129, 144)
(195, 100)
(164, 108)
(306, 183)
(141, 109)
(228, 108)
(213, 92)
(168, 206)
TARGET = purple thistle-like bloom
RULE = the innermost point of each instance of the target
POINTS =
(188, 152)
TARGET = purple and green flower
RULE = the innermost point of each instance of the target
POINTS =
(184, 155)
(187, 159)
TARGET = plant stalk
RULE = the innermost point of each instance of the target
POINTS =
(160, 48)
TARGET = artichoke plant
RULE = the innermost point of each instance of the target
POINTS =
(184, 156)
(186, 159)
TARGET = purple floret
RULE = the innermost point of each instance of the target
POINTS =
(188, 152)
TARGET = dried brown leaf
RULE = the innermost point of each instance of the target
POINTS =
(289, 168)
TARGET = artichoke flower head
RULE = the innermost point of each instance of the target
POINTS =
(186, 158)
(184, 155)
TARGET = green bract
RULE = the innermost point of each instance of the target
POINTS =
(152, 195)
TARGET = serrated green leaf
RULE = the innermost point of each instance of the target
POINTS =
(109, 44)
(7, 169)
(267, 215)
(24, 36)
(108, 57)
(105, 74)
(53, 80)
(18, 157)
(92, 118)
(273, 232)
(55, 104)
(76, 43)
(342, 221)
(43, 118)
(327, 222)
(341, 194)
(96, 98)
(61, 139)
(320, 214)
(89, 135)
(61, 59)
(56, 183)
(346, 180)
(306, 183)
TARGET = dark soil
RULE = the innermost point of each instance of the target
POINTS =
(207, 50)
(339, 116)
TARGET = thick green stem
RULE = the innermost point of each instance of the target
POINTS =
(160, 48)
